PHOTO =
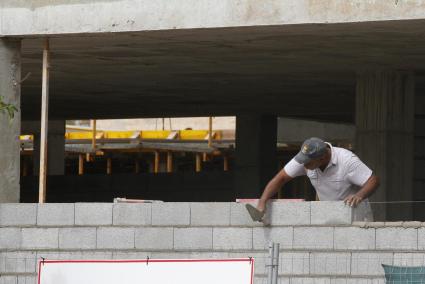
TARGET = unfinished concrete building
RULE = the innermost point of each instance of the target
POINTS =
(272, 64)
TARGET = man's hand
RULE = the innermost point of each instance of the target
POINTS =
(353, 200)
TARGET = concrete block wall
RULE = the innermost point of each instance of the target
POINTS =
(319, 240)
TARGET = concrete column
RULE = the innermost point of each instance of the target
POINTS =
(10, 90)
(56, 148)
(256, 161)
(384, 138)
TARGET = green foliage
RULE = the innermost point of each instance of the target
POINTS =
(10, 109)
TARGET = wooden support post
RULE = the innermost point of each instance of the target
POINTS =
(169, 162)
(225, 163)
(81, 164)
(109, 166)
(204, 157)
(210, 132)
(198, 163)
(24, 167)
(87, 157)
(156, 163)
(93, 142)
(136, 165)
(44, 123)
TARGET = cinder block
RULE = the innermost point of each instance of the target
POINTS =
(330, 213)
(18, 214)
(40, 238)
(115, 238)
(55, 214)
(369, 264)
(170, 255)
(10, 238)
(93, 214)
(354, 238)
(64, 255)
(132, 214)
(289, 213)
(142, 255)
(18, 262)
(192, 238)
(409, 259)
(310, 280)
(210, 214)
(239, 216)
(294, 263)
(171, 214)
(23, 279)
(421, 238)
(154, 238)
(357, 280)
(330, 263)
(77, 238)
(232, 238)
(396, 238)
(6, 279)
(282, 235)
(313, 238)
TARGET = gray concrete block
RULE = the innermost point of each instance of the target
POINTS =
(239, 216)
(6, 279)
(10, 238)
(353, 238)
(409, 259)
(23, 279)
(282, 235)
(18, 262)
(313, 238)
(310, 280)
(93, 214)
(232, 238)
(330, 213)
(335, 263)
(66, 255)
(77, 238)
(55, 214)
(115, 238)
(294, 263)
(192, 238)
(142, 255)
(396, 238)
(171, 214)
(40, 238)
(421, 238)
(148, 238)
(210, 214)
(289, 213)
(364, 263)
(132, 214)
(18, 214)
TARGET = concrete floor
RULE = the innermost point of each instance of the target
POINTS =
(306, 71)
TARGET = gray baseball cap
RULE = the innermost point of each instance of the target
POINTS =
(311, 149)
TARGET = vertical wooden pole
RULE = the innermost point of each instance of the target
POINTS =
(80, 164)
(210, 123)
(198, 163)
(93, 142)
(44, 123)
(169, 162)
(109, 166)
(136, 165)
(225, 163)
(156, 163)
(24, 167)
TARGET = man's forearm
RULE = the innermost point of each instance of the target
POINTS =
(369, 188)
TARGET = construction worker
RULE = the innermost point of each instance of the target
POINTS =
(336, 173)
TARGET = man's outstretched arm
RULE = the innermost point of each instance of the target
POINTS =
(272, 187)
(366, 191)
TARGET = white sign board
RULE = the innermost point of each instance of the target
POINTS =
(152, 271)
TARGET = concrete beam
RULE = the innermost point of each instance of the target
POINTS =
(34, 17)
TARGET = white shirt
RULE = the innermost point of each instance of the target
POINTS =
(344, 175)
